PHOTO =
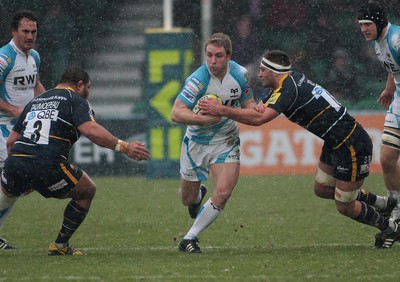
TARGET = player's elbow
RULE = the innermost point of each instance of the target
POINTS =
(174, 118)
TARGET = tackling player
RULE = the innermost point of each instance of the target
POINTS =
(347, 150)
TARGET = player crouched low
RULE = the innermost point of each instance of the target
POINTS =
(39, 146)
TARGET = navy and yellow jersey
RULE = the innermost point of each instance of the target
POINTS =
(48, 125)
(312, 107)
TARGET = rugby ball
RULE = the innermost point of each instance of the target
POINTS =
(196, 109)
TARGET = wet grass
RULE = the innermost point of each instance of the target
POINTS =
(273, 229)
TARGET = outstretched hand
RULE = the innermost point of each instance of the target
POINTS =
(136, 150)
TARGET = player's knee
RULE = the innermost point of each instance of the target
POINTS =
(345, 201)
(83, 192)
(325, 192)
(220, 198)
(324, 178)
(391, 142)
(388, 163)
(324, 184)
(91, 191)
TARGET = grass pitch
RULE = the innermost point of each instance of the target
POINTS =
(273, 229)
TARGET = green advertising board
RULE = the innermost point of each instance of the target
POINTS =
(169, 58)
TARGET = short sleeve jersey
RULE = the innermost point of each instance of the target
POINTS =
(18, 76)
(312, 107)
(48, 124)
(387, 49)
(233, 91)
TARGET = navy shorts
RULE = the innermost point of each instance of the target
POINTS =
(351, 161)
(52, 179)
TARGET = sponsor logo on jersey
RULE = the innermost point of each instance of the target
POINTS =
(234, 91)
(24, 80)
(31, 115)
(3, 63)
(188, 96)
(274, 97)
(48, 114)
(6, 58)
(192, 87)
(197, 82)
(19, 70)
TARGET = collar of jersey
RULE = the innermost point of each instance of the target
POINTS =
(16, 48)
(67, 88)
(282, 79)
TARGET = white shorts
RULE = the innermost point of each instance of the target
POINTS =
(392, 120)
(5, 130)
(196, 158)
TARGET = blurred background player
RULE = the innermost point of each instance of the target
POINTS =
(385, 38)
(19, 82)
(211, 144)
(39, 146)
(347, 151)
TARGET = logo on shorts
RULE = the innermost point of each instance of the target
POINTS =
(234, 157)
(59, 185)
(342, 169)
(364, 168)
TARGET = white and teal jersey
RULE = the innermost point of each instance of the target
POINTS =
(388, 51)
(233, 91)
(18, 77)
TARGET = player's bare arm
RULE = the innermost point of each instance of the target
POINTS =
(11, 140)
(39, 88)
(247, 116)
(387, 94)
(102, 137)
(249, 104)
(182, 114)
(10, 109)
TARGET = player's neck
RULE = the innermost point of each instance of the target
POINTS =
(65, 86)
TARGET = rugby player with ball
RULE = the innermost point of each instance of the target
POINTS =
(211, 143)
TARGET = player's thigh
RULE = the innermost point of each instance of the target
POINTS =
(195, 160)
(390, 149)
(225, 176)
(85, 189)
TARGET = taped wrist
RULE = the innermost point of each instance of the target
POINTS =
(121, 146)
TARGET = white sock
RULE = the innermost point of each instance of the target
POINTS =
(208, 213)
(6, 204)
(396, 210)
